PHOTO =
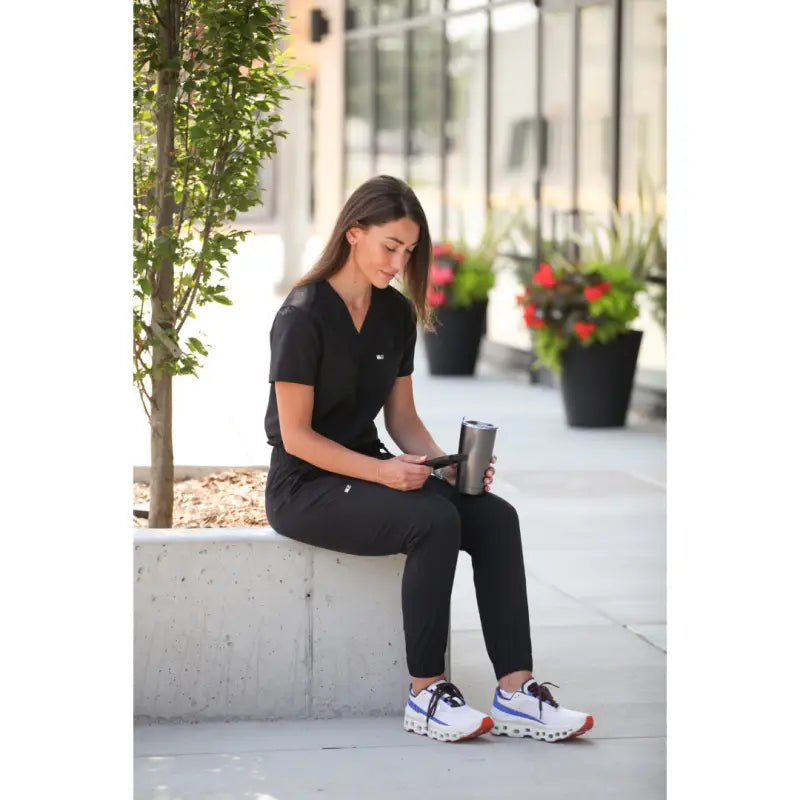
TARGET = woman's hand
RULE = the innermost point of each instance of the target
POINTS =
(404, 472)
(451, 473)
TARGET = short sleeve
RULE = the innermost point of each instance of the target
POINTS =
(295, 347)
(409, 343)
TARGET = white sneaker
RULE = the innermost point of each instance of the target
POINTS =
(532, 711)
(440, 711)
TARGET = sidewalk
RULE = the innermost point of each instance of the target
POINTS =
(592, 506)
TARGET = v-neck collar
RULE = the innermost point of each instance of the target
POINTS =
(356, 331)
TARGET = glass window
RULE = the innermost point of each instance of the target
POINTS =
(419, 7)
(557, 171)
(389, 10)
(465, 139)
(594, 126)
(643, 103)
(424, 173)
(391, 107)
(512, 158)
(463, 5)
(358, 13)
(358, 115)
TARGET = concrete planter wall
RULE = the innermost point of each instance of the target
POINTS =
(242, 623)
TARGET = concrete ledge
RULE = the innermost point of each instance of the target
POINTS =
(243, 623)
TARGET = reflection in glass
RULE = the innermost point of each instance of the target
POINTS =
(594, 129)
(358, 122)
(426, 114)
(512, 158)
(643, 106)
(359, 13)
(419, 7)
(465, 139)
(391, 107)
(389, 10)
(557, 172)
(463, 5)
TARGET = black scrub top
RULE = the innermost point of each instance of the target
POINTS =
(314, 341)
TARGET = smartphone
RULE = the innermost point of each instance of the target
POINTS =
(445, 461)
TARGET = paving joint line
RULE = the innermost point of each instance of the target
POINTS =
(357, 747)
(648, 480)
(602, 613)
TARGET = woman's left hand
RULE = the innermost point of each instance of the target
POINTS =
(488, 476)
(451, 473)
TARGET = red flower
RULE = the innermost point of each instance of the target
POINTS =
(593, 293)
(435, 297)
(531, 320)
(437, 250)
(459, 257)
(584, 329)
(529, 314)
(441, 276)
(544, 276)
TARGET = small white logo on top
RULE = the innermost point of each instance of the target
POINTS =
(347, 488)
(379, 356)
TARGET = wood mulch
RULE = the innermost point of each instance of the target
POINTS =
(230, 499)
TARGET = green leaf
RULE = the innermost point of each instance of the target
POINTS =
(219, 144)
(196, 346)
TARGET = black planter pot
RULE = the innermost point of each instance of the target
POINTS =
(453, 348)
(597, 381)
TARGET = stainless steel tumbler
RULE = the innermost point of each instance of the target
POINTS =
(477, 441)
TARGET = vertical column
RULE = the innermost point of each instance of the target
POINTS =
(329, 121)
(616, 96)
(573, 222)
(539, 142)
(296, 172)
(294, 178)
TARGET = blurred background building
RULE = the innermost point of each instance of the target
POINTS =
(446, 94)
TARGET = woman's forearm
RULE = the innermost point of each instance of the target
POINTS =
(411, 436)
(332, 456)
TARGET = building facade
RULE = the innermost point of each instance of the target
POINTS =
(554, 110)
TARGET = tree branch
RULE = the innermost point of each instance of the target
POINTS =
(186, 302)
(142, 394)
(137, 356)
(182, 9)
(182, 209)
(155, 12)
(185, 305)
(138, 346)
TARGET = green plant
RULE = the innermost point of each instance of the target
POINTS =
(635, 239)
(208, 77)
(462, 275)
(458, 278)
(519, 248)
(595, 302)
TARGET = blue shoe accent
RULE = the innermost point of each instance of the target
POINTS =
(415, 707)
(507, 710)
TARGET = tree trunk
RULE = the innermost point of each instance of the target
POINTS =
(162, 471)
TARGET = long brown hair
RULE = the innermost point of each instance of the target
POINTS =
(380, 200)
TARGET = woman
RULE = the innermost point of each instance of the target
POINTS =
(343, 348)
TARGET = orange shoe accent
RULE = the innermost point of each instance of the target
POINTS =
(587, 726)
(484, 727)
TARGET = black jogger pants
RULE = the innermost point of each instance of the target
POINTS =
(429, 525)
